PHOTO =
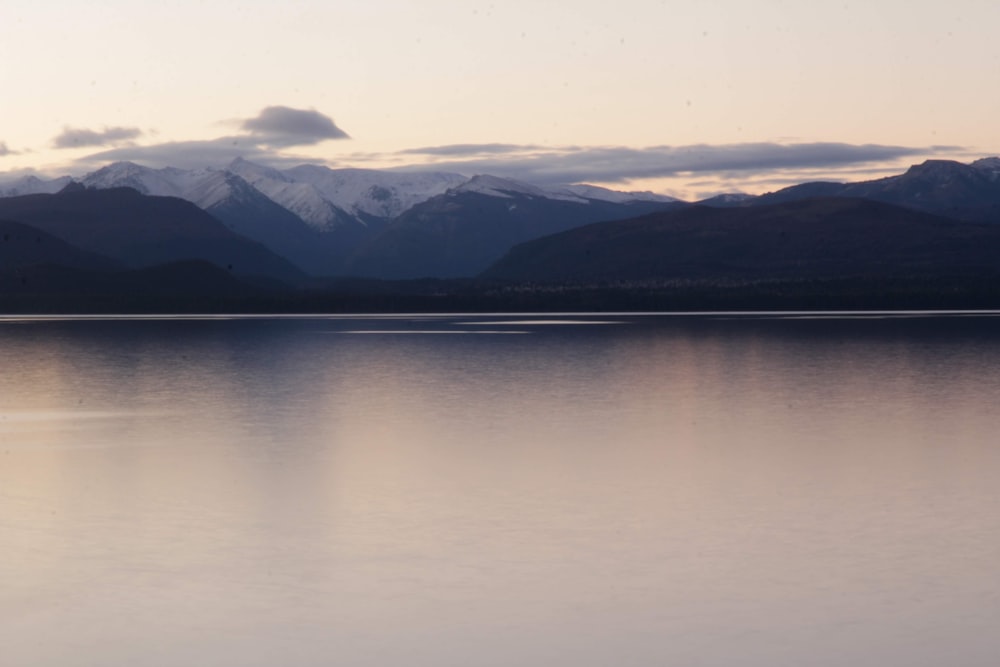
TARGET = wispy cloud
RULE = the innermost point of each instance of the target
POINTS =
(622, 164)
(79, 137)
(458, 150)
(5, 149)
(285, 126)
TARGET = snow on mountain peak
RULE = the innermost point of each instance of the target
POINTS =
(326, 198)
(615, 196)
(990, 164)
(384, 194)
(580, 193)
(251, 171)
(507, 188)
(33, 185)
(128, 174)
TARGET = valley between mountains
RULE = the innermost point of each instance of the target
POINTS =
(247, 237)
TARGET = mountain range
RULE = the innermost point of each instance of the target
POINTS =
(305, 226)
(361, 221)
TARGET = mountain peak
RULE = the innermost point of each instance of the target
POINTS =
(507, 188)
(30, 184)
(937, 167)
(253, 172)
(987, 164)
(588, 191)
(120, 167)
(71, 187)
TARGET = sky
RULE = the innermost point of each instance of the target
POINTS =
(688, 98)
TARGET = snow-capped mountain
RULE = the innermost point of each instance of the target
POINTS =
(32, 185)
(156, 182)
(319, 217)
(302, 199)
(322, 197)
(508, 188)
(243, 208)
(596, 193)
(372, 192)
(728, 199)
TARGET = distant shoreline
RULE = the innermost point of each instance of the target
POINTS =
(947, 293)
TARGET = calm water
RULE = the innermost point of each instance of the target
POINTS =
(494, 491)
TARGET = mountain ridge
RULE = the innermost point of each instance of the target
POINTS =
(405, 225)
(814, 238)
(143, 230)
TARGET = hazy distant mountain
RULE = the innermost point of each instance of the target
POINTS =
(728, 200)
(507, 188)
(33, 185)
(595, 193)
(140, 230)
(812, 238)
(463, 231)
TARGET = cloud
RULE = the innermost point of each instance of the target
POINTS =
(6, 150)
(78, 137)
(469, 149)
(265, 139)
(284, 126)
(192, 154)
(622, 164)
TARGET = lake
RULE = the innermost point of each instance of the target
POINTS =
(717, 490)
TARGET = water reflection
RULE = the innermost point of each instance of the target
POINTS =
(703, 490)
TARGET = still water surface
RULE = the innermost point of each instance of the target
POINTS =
(491, 491)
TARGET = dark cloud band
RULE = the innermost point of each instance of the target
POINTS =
(265, 138)
(285, 126)
(470, 149)
(78, 137)
(621, 164)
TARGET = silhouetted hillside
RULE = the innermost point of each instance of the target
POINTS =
(814, 238)
(944, 187)
(22, 245)
(140, 230)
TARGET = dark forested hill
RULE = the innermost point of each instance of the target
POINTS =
(813, 238)
(140, 231)
(22, 245)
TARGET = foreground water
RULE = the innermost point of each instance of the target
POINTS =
(584, 491)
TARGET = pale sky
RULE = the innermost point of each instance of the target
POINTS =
(683, 97)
